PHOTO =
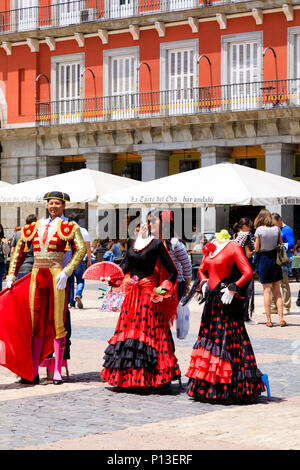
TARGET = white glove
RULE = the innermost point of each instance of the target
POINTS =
(61, 280)
(227, 296)
(204, 288)
(9, 283)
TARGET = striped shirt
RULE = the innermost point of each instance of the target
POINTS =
(181, 260)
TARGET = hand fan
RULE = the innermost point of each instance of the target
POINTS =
(104, 271)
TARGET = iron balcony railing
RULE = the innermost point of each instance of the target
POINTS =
(214, 99)
(85, 11)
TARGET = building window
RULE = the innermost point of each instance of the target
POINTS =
(121, 8)
(187, 165)
(67, 88)
(120, 76)
(297, 165)
(249, 162)
(294, 65)
(182, 4)
(241, 70)
(69, 12)
(178, 76)
(28, 14)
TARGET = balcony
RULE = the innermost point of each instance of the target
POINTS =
(216, 99)
(78, 12)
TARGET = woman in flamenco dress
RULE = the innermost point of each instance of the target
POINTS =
(222, 365)
(140, 352)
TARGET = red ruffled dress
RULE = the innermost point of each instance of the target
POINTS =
(223, 365)
(140, 352)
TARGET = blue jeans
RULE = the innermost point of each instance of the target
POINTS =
(77, 274)
(20, 275)
(2, 272)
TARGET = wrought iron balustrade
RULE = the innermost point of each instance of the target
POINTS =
(215, 99)
(85, 11)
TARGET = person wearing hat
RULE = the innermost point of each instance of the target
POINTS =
(51, 239)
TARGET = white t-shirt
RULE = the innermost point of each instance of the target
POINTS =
(85, 235)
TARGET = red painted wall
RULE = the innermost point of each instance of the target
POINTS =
(274, 28)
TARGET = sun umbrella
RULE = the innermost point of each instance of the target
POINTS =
(83, 186)
(221, 184)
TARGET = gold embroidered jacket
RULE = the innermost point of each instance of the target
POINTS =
(65, 235)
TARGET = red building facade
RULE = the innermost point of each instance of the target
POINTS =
(158, 86)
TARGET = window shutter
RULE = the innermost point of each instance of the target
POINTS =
(122, 75)
(242, 62)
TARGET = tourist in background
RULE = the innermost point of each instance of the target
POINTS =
(27, 266)
(3, 254)
(244, 237)
(288, 241)
(267, 236)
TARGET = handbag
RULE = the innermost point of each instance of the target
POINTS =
(112, 301)
(182, 321)
(282, 258)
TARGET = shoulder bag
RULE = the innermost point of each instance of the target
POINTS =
(282, 258)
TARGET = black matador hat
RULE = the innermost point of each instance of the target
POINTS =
(56, 195)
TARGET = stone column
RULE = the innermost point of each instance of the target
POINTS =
(279, 160)
(98, 162)
(214, 218)
(155, 164)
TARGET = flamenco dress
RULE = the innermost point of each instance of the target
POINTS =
(140, 352)
(222, 365)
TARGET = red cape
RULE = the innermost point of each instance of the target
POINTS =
(16, 330)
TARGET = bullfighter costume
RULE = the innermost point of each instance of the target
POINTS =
(46, 300)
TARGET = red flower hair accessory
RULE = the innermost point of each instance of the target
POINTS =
(209, 248)
(166, 216)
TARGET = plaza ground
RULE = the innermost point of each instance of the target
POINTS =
(87, 414)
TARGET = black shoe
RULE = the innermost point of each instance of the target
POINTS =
(57, 382)
(35, 381)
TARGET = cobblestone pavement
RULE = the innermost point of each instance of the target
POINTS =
(86, 413)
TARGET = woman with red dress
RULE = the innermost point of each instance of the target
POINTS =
(222, 365)
(140, 352)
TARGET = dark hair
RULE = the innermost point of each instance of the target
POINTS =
(236, 227)
(276, 216)
(166, 226)
(31, 218)
(244, 221)
(1, 231)
(74, 218)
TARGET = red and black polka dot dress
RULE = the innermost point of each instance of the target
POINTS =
(140, 353)
(223, 365)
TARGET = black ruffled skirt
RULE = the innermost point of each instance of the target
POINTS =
(223, 365)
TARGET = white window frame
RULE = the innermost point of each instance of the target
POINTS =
(291, 51)
(165, 48)
(108, 54)
(254, 93)
(62, 59)
(33, 23)
(121, 111)
(243, 37)
(166, 98)
(294, 85)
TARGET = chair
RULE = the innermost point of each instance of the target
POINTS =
(99, 256)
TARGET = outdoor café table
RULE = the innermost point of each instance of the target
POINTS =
(296, 266)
